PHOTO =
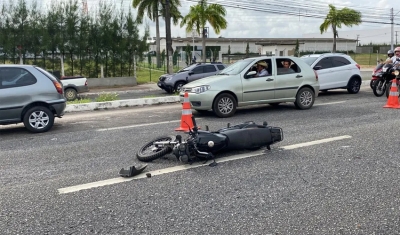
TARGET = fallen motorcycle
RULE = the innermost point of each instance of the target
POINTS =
(204, 144)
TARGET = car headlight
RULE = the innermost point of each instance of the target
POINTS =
(200, 89)
(168, 78)
(396, 72)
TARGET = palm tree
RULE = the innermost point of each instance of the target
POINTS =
(202, 13)
(155, 9)
(336, 18)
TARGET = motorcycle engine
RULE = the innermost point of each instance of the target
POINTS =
(181, 151)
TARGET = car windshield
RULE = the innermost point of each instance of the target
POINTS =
(187, 68)
(309, 60)
(236, 67)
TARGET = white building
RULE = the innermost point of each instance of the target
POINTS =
(261, 46)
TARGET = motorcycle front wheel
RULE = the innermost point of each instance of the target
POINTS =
(150, 152)
(379, 88)
(388, 85)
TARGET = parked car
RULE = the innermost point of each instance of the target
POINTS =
(30, 95)
(335, 71)
(174, 82)
(74, 85)
(237, 85)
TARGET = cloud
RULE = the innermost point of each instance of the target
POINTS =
(256, 24)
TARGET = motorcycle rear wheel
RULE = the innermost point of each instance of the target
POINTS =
(379, 88)
(154, 154)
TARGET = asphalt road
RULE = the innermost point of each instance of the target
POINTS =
(344, 186)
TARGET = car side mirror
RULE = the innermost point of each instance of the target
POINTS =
(317, 67)
(251, 74)
(191, 73)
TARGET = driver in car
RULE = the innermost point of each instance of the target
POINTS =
(262, 69)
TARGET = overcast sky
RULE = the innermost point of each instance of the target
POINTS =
(256, 24)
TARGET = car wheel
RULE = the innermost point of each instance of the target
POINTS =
(305, 98)
(178, 86)
(224, 105)
(354, 86)
(70, 94)
(38, 119)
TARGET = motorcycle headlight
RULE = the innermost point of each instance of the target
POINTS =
(200, 89)
(396, 72)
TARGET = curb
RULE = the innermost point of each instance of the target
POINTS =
(120, 103)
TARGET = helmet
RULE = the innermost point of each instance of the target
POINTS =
(390, 53)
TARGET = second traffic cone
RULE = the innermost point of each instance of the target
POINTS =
(393, 99)
(186, 119)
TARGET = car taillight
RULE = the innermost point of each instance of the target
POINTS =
(358, 66)
(316, 75)
(58, 87)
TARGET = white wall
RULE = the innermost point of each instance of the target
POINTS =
(277, 49)
(238, 46)
(235, 46)
(327, 46)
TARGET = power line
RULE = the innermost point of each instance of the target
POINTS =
(293, 9)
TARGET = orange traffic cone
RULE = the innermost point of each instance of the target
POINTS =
(186, 119)
(393, 99)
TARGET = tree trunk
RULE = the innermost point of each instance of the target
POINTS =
(334, 38)
(158, 49)
(203, 44)
(72, 63)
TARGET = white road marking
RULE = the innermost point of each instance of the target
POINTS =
(194, 165)
(295, 146)
(337, 102)
(137, 125)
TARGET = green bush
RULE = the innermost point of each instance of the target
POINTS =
(79, 101)
(103, 97)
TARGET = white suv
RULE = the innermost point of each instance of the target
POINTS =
(335, 71)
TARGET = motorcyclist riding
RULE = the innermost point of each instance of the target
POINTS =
(390, 54)
(396, 57)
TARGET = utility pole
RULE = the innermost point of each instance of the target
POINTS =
(168, 37)
(396, 37)
(392, 24)
(358, 35)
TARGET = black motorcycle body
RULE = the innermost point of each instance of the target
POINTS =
(396, 75)
(247, 135)
(204, 144)
(384, 76)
